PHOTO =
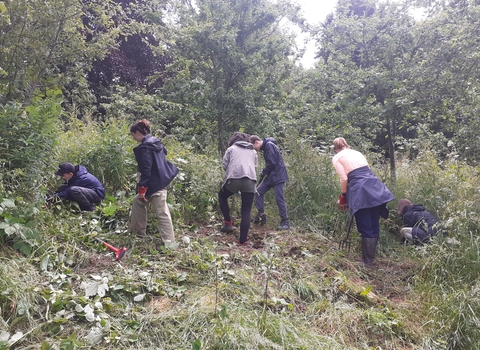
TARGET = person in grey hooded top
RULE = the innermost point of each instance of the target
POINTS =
(239, 162)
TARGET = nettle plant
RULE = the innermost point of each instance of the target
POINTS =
(17, 226)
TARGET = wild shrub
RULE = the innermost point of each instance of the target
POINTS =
(448, 189)
(17, 225)
(104, 148)
(450, 264)
(27, 136)
(312, 191)
(194, 191)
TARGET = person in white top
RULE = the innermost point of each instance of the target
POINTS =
(362, 194)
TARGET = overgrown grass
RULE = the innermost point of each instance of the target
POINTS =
(61, 288)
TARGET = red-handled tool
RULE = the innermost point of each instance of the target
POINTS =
(119, 252)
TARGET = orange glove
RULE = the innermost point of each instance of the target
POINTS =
(342, 202)
(141, 193)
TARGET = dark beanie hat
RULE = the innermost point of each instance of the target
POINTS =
(65, 168)
(403, 206)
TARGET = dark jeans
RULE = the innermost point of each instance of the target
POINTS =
(247, 202)
(368, 221)
(84, 197)
(279, 191)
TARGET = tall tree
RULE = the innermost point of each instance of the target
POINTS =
(445, 85)
(138, 59)
(366, 52)
(231, 57)
(43, 42)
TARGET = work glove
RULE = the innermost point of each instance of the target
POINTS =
(141, 193)
(342, 202)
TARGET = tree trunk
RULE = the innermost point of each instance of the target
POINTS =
(391, 148)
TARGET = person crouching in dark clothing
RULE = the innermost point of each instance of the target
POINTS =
(80, 186)
(419, 224)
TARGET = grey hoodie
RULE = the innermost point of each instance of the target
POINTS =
(239, 161)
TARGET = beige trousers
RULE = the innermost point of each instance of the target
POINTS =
(138, 221)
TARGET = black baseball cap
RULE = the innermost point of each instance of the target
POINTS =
(65, 168)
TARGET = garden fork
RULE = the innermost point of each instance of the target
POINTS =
(345, 243)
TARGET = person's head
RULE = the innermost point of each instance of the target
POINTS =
(140, 129)
(237, 136)
(339, 144)
(256, 141)
(66, 171)
(403, 205)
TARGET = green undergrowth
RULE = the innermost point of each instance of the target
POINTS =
(204, 294)
(61, 288)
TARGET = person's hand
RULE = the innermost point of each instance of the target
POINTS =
(141, 193)
(342, 202)
(51, 199)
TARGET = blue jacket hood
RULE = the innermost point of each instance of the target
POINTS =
(268, 140)
(153, 143)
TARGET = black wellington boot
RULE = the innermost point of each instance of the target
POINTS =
(369, 246)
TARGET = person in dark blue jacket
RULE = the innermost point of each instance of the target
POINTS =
(80, 186)
(274, 175)
(419, 224)
(154, 175)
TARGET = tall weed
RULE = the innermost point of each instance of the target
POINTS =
(312, 191)
(449, 277)
(195, 189)
(27, 136)
(104, 148)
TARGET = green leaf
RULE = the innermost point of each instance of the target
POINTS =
(366, 291)
(8, 203)
(45, 346)
(16, 320)
(110, 210)
(196, 345)
(23, 247)
(57, 306)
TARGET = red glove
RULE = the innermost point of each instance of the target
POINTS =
(342, 202)
(141, 193)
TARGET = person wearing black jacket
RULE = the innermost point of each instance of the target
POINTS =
(274, 175)
(80, 186)
(154, 174)
(419, 224)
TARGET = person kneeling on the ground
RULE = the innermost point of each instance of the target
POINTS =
(419, 224)
(80, 186)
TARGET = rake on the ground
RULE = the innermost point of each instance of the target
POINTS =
(345, 243)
